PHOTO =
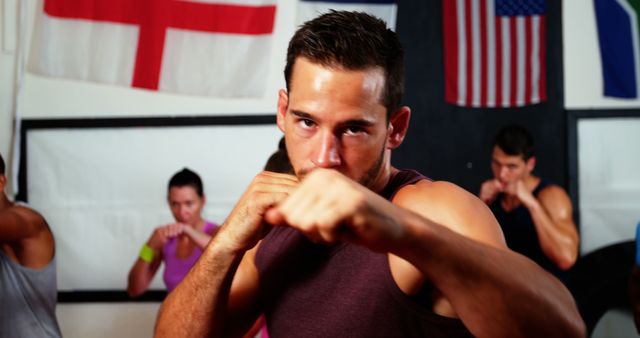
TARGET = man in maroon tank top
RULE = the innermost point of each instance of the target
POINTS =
(344, 209)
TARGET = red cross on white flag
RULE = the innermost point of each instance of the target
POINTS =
(197, 47)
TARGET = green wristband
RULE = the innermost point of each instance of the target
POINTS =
(146, 253)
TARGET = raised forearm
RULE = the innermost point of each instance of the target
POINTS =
(200, 238)
(197, 306)
(559, 242)
(495, 292)
(140, 276)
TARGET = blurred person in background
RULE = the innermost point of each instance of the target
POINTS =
(179, 244)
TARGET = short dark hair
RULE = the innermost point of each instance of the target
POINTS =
(186, 177)
(2, 166)
(515, 140)
(279, 162)
(354, 41)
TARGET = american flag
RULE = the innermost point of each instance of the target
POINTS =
(494, 52)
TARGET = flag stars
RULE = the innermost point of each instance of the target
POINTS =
(520, 7)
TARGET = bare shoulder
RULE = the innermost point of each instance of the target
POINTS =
(19, 222)
(29, 216)
(440, 198)
(453, 207)
(556, 201)
(554, 194)
(30, 241)
(435, 191)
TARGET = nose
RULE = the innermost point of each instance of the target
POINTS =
(181, 213)
(328, 154)
(504, 171)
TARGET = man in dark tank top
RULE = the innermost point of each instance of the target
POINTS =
(536, 216)
(350, 246)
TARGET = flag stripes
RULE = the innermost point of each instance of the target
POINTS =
(494, 57)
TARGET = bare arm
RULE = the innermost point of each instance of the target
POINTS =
(496, 292)
(552, 215)
(197, 307)
(489, 190)
(217, 297)
(200, 238)
(142, 272)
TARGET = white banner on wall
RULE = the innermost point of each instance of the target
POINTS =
(103, 191)
(609, 180)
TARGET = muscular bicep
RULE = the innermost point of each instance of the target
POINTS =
(454, 208)
(558, 206)
(561, 240)
(451, 207)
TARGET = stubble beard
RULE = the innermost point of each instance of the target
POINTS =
(370, 175)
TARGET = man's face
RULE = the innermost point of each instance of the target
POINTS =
(508, 169)
(186, 205)
(334, 118)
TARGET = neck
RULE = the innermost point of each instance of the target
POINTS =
(531, 182)
(199, 224)
(382, 179)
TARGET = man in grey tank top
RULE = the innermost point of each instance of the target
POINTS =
(27, 271)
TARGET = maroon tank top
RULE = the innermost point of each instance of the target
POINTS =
(343, 290)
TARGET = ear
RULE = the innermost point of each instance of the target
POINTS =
(398, 126)
(3, 183)
(531, 164)
(283, 105)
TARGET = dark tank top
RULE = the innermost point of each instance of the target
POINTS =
(343, 290)
(520, 232)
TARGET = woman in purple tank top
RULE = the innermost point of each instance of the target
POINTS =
(179, 244)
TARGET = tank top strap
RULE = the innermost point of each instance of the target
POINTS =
(208, 227)
(400, 179)
(541, 185)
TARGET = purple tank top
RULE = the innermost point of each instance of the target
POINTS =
(343, 290)
(176, 268)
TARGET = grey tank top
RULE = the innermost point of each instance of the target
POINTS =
(27, 300)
